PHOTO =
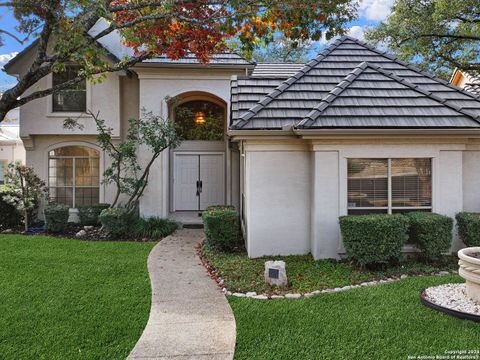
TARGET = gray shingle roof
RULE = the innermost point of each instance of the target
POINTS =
(372, 97)
(276, 70)
(293, 99)
(215, 59)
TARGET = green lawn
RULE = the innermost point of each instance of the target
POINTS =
(304, 273)
(382, 322)
(69, 299)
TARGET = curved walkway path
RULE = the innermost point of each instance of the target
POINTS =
(189, 317)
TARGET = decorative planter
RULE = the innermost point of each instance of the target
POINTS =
(470, 271)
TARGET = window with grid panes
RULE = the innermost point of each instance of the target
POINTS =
(74, 176)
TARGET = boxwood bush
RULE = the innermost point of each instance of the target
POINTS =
(469, 228)
(9, 216)
(431, 233)
(374, 239)
(116, 221)
(89, 214)
(222, 227)
(56, 217)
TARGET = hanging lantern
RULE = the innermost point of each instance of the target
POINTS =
(200, 118)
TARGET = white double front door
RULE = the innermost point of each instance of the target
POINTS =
(199, 181)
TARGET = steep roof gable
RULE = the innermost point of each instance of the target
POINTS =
(371, 97)
(289, 103)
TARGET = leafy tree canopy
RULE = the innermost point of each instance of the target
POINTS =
(438, 35)
(157, 27)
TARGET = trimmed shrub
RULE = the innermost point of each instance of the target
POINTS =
(154, 227)
(56, 217)
(220, 207)
(89, 214)
(374, 239)
(431, 233)
(222, 227)
(116, 221)
(9, 215)
(469, 228)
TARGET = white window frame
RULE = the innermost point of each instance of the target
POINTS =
(390, 208)
(73, 186)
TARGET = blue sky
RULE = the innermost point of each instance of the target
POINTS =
(370, 13)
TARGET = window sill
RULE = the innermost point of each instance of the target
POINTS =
(68, 114)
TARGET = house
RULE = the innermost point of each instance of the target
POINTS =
(466, 81)
(293, 147)
(11, 146)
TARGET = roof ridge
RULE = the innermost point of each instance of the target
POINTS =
(313, 115)
(286, 84)
(410, 66)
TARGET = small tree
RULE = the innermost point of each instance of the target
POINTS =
(125, 172)
(29, 189)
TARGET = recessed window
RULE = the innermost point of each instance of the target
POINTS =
(74, 176)
(69, 100)
(389, 185)
(200, 120)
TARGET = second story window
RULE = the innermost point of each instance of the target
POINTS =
(73, 99)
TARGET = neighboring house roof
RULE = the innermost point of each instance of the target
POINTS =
(291, 101)
(372, 97)
(468, 82)
(9, 134)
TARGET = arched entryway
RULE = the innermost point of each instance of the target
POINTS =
(198, 165)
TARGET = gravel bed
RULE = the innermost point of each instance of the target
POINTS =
(452, 296)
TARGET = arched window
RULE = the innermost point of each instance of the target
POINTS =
(200, 120)
(74, 175)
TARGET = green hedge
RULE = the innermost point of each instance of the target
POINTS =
(56, 217)
(154, 227)
(89, 214)
(9, 216)
(222, 227)
(116, 221)
(374, 239)
(431, 233)
(469, 228)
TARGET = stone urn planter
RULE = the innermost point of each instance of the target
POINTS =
(470, 270)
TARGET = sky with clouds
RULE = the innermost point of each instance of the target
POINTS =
(370, 13)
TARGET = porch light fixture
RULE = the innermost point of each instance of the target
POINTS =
(200, 118)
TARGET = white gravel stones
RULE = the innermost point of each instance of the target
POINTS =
(277, 297)
(292, 296)
(251, 294)
(452, 296)
(80, 234)
(239, 294)
(260, 297)
(443, 273)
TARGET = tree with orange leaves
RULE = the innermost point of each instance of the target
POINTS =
(153, 28)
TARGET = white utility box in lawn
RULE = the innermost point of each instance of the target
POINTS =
(275, 273)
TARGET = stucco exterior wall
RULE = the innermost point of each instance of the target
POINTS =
(278, 199)
(283, 187)
(157, 87)
(471, 181)
(37, 117)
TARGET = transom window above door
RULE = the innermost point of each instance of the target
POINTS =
(200, 120)
(389, 185)
(74, 176)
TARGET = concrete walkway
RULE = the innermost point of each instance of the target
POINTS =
(189, 318)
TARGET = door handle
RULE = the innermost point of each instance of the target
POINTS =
(198, 188)
(201, 185)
